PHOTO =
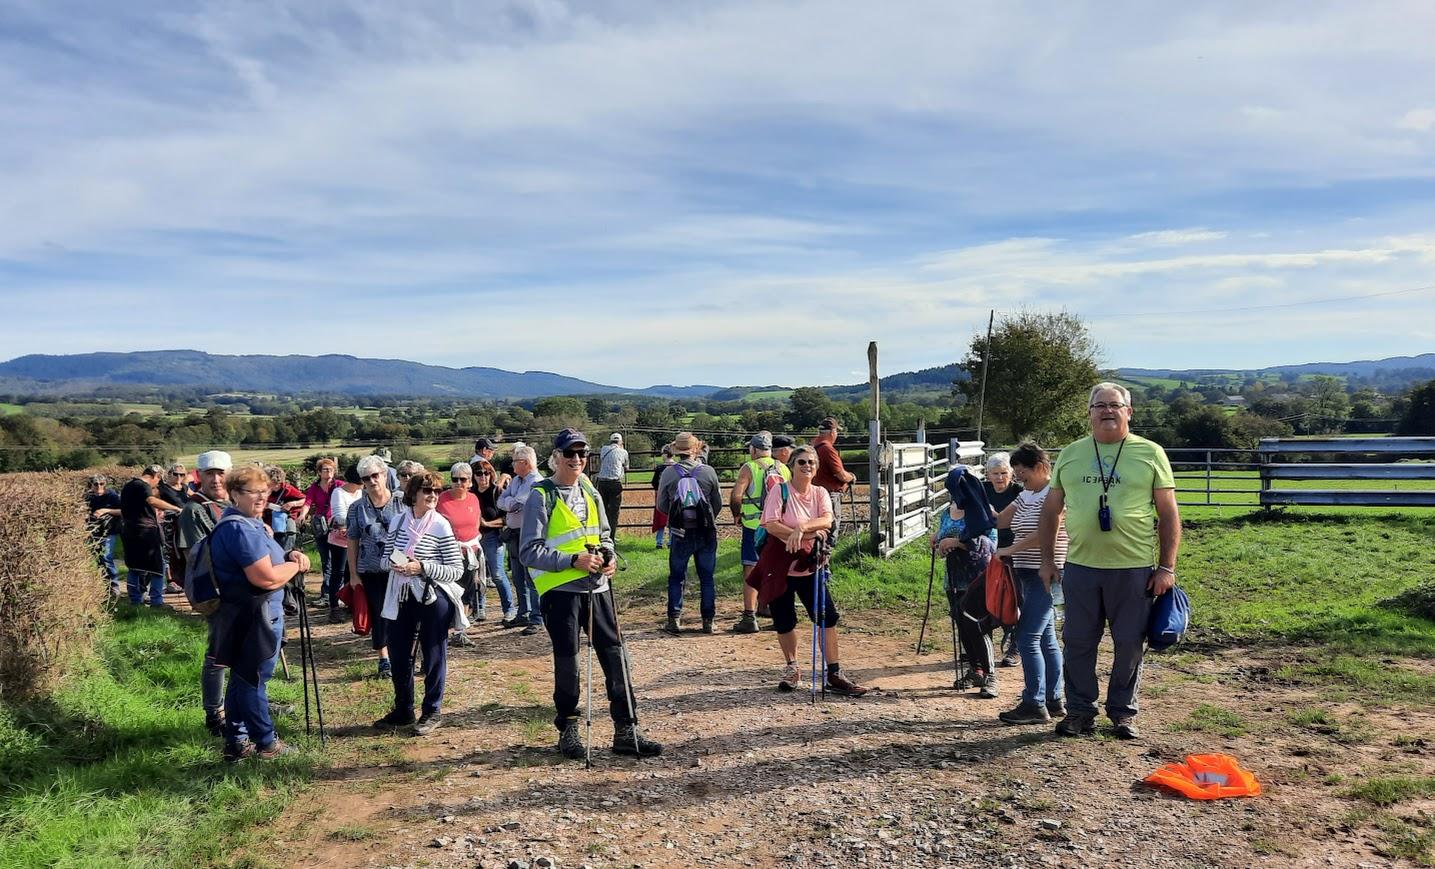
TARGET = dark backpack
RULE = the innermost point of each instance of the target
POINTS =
(201, 588)
(691, 510)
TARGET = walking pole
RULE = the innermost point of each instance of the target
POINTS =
(815, 629)
(826, 574)
(956, 659)
(627, 667)
(931, 577)
(306, 651)
(284, 663)
(303, 666)
(588, 705)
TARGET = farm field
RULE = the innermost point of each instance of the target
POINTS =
(6, 408)
(1315, 671)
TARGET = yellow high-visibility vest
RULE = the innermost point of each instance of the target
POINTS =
(566, 534)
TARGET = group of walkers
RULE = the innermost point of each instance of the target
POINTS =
(421, 552)
(1099, 532)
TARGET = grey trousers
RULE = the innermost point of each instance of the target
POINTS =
(1096, 597)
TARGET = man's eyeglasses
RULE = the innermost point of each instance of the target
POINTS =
(1107, 405)
(575, 454)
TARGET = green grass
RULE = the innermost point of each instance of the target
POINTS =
(118, 770)
(6, 408)
(1389, 790)
(1206, 718)
(1351, 731)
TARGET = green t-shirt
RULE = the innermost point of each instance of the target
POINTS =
(1132, 540)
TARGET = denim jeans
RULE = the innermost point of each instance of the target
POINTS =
(493, 555)
(529, 610)
(702, 548)
(246, 706)
(211, 681)
(1036, 640)
(106, 557)
(137, 580)
(326, 558)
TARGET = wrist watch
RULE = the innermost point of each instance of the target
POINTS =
(573, 562)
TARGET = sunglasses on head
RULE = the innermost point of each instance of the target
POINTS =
(575, 454)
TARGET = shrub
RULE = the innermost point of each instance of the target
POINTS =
(51, 591)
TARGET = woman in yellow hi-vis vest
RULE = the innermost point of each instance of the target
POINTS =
(567, 546)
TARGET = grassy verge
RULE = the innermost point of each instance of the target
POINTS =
(117, 768)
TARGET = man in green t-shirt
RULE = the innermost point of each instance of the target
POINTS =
(1124, 530)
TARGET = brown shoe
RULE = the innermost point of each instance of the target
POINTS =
(838, 684)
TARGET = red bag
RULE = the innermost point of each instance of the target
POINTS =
(358, 603)
(1003, 600)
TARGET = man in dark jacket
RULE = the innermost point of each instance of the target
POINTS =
(196, 521)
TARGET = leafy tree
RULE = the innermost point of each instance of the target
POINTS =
(1329, 405)
(560, 406)
(1041, 369)
(810, 406)
(1419, 415)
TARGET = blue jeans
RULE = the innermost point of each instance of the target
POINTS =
(1036, 640)
(106, 556)
(528, 607)
(211, 681)
(493, 555)
(702, 548)
(246, 706)
(325, 560)
(135, 582)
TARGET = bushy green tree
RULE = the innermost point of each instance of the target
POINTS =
(1041, 368)
(1419, 415)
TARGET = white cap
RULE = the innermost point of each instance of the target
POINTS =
(616, 438)
(214, 460)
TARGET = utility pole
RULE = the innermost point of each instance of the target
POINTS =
(986, 360)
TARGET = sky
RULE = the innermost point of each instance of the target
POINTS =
(682, 192)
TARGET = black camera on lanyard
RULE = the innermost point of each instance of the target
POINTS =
(1103, 515)
(1103, 510)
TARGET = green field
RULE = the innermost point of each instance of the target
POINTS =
(768, 395)
(10, 408)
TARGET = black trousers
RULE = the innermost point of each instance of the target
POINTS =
(376, 588)
(565, 615)
(612, 492)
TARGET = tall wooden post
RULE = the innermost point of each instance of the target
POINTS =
(874, 451)
(986, 359)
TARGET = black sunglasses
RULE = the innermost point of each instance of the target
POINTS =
(461, 479)
(430, 490)
(575, 454)
(805, 462)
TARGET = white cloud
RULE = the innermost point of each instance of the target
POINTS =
(1420, 120)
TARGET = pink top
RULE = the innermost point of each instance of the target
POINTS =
(800, 508)
(317, 497)
(462, 515)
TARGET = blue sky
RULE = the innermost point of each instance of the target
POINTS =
(718, 193)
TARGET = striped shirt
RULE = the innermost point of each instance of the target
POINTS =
(1024, 523)
(436, 549)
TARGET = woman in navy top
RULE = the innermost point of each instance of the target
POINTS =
(251, 570)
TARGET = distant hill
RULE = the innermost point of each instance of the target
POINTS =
(291, 375)
(1393, 369)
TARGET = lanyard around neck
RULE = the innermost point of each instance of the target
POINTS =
(1106, 481)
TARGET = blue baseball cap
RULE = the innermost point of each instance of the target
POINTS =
(568, 438)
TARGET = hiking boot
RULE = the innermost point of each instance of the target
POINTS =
(459, 638)
(1010, 659)
(1025, 713)
(335, 616)
(235, 752)
(840, 685)
(673, 626)
(707, 626)
(396, 719)
(746, 625)
(790, 679)
(570, 741)
(989, 688)
(1075, 724)
(512, 623)
(530, 630)
(1056, 708)
(479, 616)
(276, 749)
(386, 670)
(974, 679)
(427, 723)
(627, 740)
(214, 723)
(1125, 728)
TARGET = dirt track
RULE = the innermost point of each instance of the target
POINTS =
(913, 774)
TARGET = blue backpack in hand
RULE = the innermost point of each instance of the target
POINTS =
(1170, 617)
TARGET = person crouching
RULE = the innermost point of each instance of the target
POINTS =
(567, 546)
